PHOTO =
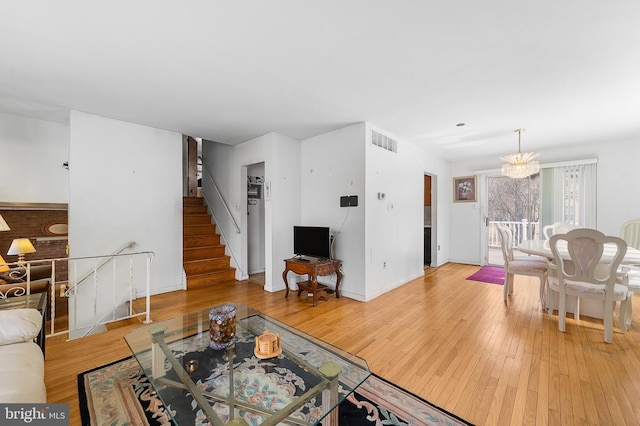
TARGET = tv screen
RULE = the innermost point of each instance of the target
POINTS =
(313, 241)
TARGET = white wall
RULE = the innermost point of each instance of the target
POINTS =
(380, 241)
(281, 156)
(394, 226)
(618, 184)
(33, 152)
(333, 165)
(125, 184)
(284, 209)
(464, 219)
(618, 192)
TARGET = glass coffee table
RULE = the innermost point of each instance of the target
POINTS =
(303, 384)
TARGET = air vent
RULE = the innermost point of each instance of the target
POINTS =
(384, 142)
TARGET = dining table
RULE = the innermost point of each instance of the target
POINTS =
(588, 307)
(542, 248)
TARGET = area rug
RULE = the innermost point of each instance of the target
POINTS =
(120, 394)
(489, 274)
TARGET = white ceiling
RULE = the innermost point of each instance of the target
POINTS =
(567, 71)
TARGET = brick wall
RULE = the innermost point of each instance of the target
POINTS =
(30, 224)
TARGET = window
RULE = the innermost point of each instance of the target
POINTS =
(569, 194)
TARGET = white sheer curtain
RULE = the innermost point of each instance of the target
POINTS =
(569, 194)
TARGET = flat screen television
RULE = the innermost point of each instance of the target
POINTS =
(313, 241)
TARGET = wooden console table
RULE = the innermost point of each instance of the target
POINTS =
(314, 268)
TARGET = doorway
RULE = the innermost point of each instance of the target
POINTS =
(429, 221)
(256, 223)
(514, 203)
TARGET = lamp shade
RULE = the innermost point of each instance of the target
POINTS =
(3, 267)
(3, 224)
(21, 246)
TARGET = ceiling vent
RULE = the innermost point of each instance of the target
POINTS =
(384, 142)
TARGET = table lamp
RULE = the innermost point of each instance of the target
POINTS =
(21, 246)
(3, 266)
(3, 224)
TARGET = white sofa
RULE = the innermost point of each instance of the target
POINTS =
(21, 359)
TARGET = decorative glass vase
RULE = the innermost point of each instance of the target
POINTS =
(222, 326)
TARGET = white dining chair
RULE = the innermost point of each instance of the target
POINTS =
(557, 228)
(533, 266)
(583, 274)
(631, 278)
(630, 233)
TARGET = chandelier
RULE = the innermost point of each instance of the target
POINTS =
(520, 165)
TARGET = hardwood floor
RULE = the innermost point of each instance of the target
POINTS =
(454, 342)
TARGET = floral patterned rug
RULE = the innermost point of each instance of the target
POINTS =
(119, 394)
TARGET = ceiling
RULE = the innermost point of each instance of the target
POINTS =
(566, 71)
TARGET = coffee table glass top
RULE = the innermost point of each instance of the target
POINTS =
(197, 384)
(33, 301)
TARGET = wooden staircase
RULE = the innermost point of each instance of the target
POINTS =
(203, 256)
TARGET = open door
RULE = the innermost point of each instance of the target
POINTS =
(427, 220)
(256, 233)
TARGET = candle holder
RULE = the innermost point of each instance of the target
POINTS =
(267, 345)
(191, 366)
(222, 326)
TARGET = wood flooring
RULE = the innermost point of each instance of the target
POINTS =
(452, 341)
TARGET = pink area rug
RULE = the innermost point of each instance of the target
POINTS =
(488, 274)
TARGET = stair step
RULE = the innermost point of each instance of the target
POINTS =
(196, 219)
(201, 229)
(192, 201)
(204, 261)
(203, 252)
(189, 210)
(195, 241)
(217, 278)
(195, 267)
(123, 323)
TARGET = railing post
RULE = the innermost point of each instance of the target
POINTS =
(525, 230)
(52, 314)
(148, 291)
(517, 228)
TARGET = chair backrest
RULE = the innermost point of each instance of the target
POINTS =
(557, 228)
(581, 255)
(506, 242)
(630, 233)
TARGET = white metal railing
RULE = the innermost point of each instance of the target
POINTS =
(92, 303)
(111, 292)
(104, 261)
(520, 231)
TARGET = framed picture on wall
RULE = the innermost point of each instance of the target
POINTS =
(464, 189)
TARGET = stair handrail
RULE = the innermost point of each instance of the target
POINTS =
(131, 291)
(101, 320)
(235, 224)
(224, 202)
(106, 260)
